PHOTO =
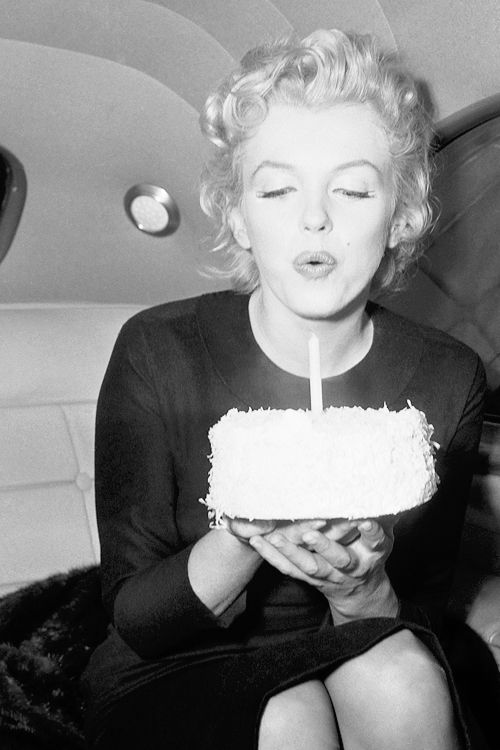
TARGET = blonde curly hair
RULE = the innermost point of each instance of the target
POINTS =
(323, 69)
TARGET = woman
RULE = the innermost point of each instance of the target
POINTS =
(258, 635)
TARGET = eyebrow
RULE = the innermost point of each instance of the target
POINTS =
(273, 164)
(341, 167)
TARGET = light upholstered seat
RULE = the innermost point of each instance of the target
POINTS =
(52, 361)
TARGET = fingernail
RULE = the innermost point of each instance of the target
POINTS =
(345, 564)
(310, 537)
(366, 525)
(317, 524)
(276, 540)
(255, 542)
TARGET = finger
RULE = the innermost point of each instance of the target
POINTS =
(274, 557)
(387, 523)
(243, 528)
(335, 554)
(312, 524)
(303, 559)
(289, 559)
(342, 531)
(349, 537)
(373, 535)
(293, 530)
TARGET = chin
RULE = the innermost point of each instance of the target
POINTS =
(321, 306)
(317, 311)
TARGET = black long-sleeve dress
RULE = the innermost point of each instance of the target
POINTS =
(175, 370)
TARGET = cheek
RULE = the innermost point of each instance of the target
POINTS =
(374, 233)
(367, 240)
(366, 249)
(267, 234)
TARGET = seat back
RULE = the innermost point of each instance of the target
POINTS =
(52, 361)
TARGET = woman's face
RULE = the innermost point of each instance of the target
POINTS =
(316, 207)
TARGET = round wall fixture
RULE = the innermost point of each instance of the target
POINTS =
(152, 209)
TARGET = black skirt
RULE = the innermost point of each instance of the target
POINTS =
(219, 703)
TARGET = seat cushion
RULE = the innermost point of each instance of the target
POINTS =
(53, 361)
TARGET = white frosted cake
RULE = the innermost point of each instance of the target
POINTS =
(342, 463)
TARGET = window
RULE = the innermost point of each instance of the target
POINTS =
(12, 197)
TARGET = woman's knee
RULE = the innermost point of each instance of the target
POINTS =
(401, 663)
(400, 690)
(299, 717)
(412, 672)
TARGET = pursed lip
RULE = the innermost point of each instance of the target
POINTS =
(314, 264)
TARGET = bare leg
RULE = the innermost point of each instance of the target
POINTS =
(393, 696)
(300, 718)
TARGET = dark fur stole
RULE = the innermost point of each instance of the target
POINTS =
(47, 632)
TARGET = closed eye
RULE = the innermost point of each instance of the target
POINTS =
(354, 193)
(274, 193)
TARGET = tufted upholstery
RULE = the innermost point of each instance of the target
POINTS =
(457, 289)
(477, 587)
(457, 286)
(53, 358)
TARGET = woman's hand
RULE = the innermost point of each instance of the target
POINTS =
(352, 577)
(294, 531)
(244, 530)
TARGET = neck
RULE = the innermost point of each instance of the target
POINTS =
(283, 337)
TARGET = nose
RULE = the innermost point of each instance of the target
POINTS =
(316, 217)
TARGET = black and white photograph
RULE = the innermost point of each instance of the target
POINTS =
(249, 375)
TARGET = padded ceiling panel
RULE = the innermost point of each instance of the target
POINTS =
(149, 38)
(75, 241)
(236, 25)
(359, 15)
(450, 44)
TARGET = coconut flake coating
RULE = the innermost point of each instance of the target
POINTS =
(344, 463)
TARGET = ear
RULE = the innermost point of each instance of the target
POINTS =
(396, 231)
(239, 229)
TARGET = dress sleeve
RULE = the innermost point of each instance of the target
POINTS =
(146, 590)
(432, 535)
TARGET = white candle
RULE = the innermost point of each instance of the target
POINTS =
(315, 375)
